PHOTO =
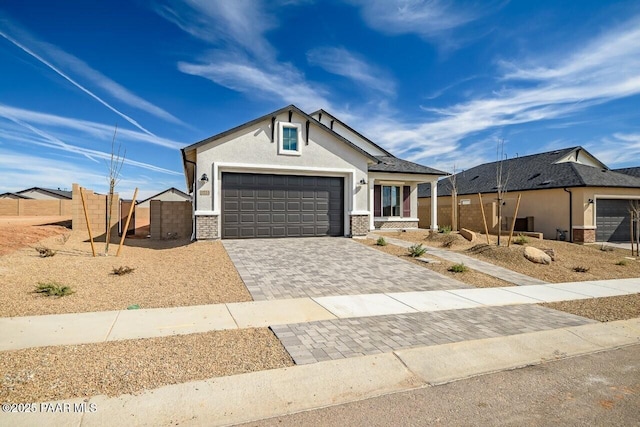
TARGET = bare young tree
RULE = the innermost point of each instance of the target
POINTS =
(502, 180)
(634, 212)
(453, 186)
(114, 167)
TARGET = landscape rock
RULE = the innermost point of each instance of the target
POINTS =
(551, 253)
(536, 255)
(468, 234)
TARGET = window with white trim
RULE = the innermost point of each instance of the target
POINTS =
(289, 138)
(391, 205)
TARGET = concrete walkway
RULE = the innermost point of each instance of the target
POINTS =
(481, 266)
(265, 394)
(79, 328)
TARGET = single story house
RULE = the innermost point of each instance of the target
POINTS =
(293, 174)
(566, 193)
(39, 193)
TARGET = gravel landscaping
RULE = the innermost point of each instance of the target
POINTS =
(602, 309)
(131, 366)
(601, 264)
(166, 273)
(471, 277)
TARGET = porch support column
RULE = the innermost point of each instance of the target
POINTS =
(434, 205)
(371, 207)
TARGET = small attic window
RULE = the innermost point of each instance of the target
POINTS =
(534, 176)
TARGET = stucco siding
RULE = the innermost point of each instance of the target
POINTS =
(251, 150)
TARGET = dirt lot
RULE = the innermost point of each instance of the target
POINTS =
(602, 309)
(167, 273)
(131, 366)
(601, 264)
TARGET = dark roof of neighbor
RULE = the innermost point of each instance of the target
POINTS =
(534, 172)
(395, 165)
(56, 192)
(164, 191)
(635, 171)
(16, 195)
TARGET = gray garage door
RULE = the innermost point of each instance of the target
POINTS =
(257, 205)
(612, 220)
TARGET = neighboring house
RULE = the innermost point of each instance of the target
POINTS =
(12, 196)
(141, 219)
(39, 193)
(635, 171)
(566, 192)
(293, 174)
(169, 195)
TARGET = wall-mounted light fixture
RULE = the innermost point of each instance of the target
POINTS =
(590, 201)
(363, 182)
(204, 178)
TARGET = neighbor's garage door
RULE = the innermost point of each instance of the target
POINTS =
(612, 220)
(257, 205)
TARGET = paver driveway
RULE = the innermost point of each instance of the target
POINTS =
(323, 266)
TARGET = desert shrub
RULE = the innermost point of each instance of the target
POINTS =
(458, 268)
(416, 250)
(581, 269)
(45, 252)
(521, 240)
(53, 289)
(381, 241)
(448, 240)
(622, 262)
(445, 229)
(122, 270)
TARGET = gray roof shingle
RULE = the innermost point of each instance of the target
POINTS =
(534, 172)
(396, 165)
(635, 171)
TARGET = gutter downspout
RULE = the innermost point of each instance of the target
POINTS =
(570, 214)
(195, 197)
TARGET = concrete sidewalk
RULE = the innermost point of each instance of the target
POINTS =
(265, 394)
(80, 328)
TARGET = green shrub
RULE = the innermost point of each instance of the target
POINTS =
(521, 240)
(445, 229)
(45, 252)
(53, 289)
(381, 241)
(416, 250)
(581, 269)
(622, 262)
(458, 268)
(122, 270)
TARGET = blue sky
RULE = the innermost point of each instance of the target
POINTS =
(437, 82)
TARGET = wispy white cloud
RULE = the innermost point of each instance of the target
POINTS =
(244, 60)
(58, 61)
(426, 18)
(338, 60)
(240, 24)
(562, 86)
(96, 131)
(618, 150)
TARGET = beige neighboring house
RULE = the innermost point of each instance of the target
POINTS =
(39, 193)
(293, 174)
(566, 194)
